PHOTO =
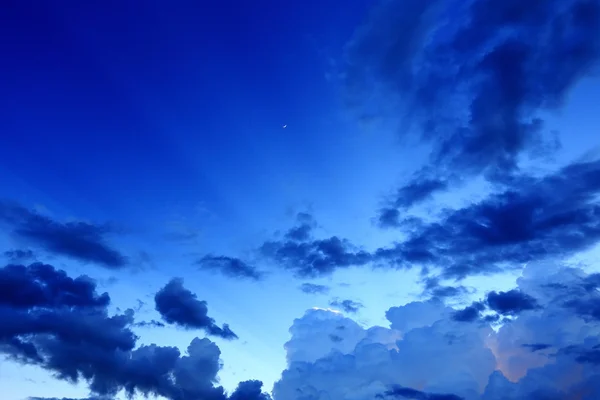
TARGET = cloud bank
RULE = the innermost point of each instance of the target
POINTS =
(547, 349)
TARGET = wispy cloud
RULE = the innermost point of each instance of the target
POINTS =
(230, 266)
(311, 288)
(79, 240)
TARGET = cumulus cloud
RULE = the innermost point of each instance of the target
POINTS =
(311, 288)
(230, 266)
(79, 240)
(545, 350)
(472, 78)
(62, 325)
(179, 306)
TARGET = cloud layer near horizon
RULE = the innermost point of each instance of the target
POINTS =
(427, 354)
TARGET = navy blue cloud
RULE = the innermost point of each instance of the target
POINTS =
(180, 307)
(536, 346)
(512, 302)
(79, 240)
(249, 390)
(350, 306)
(19, 255)
(40, 285)
(314, 257)
(230, 266)
(525, 222)
(413, 394)
(61, 324)
(472, 77)
(434, 288)
(68, 398)
(311, 288)
(299, 252)
(470, 313)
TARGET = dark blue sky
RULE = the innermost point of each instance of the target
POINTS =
(356, 200)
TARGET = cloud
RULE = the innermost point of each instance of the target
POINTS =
(472, 78)
(434, 288)
(19, 255)
(62, 325)
(408, 393)
(79, 240)
(230, 266)
(40, 285)
(65, 398)
(311, 288)
(349, 306)
(548, 352)
(179, 306)
(526, 222)
(536, 346)
(470, 313)
(520, 222)
(510, 303)
(249, 390)
(149, 324)
(315, 258)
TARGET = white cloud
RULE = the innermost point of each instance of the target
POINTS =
(428, 351)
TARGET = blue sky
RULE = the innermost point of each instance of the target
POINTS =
(341, 200)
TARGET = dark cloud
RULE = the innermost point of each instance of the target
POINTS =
(311, 288)
(178, 306)
(472, 77)
(314, 258)
(62, 325)
(512, 302)
(299, 233)
(470, 313)
(68, 398)
(40, 285)
(230, 266)
(586, 307)
(149, 324)
(80, 240)
(389, 218)
(408, 393)
(19, 255)
(536, 346)
(249, 390)
(434, 288)
(349, 306)
(526, 222)
(335, 338)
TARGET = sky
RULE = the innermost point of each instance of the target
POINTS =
(360, 199)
